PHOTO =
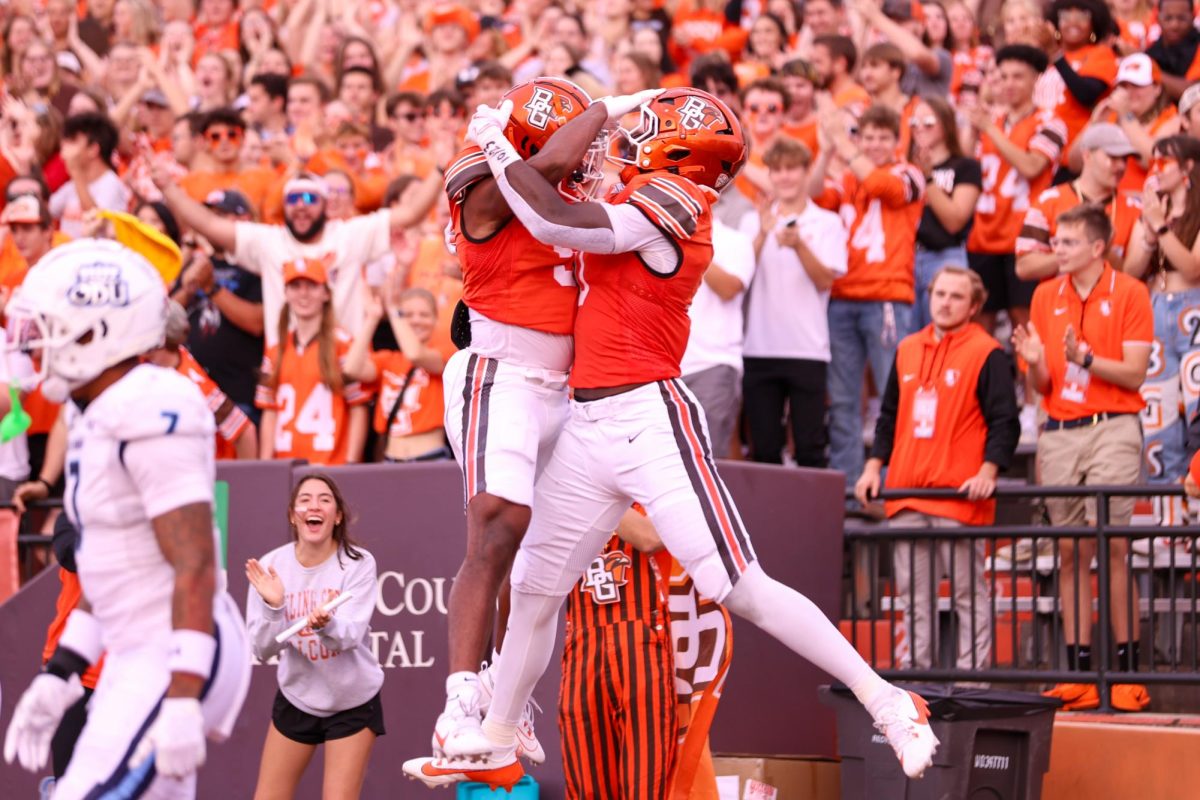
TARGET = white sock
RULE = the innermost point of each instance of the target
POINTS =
(459, 685)
(528, 647)
(796, 621)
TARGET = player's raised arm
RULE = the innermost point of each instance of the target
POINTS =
(543, 105)
(534, 200)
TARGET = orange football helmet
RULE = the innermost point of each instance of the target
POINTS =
(687, 132)
(542, 106)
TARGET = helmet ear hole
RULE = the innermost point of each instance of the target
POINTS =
(678, 154)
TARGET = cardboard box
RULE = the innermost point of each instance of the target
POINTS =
(792, 777)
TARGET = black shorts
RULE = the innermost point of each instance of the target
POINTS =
(999, 273)
(300, 726)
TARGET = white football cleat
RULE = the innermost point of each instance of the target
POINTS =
(904, 720)
(528, 746)
(458, 732)
(501, 771)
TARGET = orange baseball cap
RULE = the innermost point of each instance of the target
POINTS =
(309, 269)
(452, 14)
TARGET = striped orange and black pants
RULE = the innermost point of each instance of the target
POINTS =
(617, 712)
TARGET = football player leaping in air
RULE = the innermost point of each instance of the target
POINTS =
(635, 432)
(140, 474)
(506, 392)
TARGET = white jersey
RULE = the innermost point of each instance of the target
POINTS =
(140, 449)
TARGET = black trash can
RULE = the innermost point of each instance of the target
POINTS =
(995, 745)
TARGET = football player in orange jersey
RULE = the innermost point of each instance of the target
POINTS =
(506, 397)
(635, 433)
(309, 410)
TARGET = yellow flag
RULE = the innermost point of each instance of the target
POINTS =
(156, 247)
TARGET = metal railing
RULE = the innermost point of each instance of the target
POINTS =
(33, 548)
(1023, 599)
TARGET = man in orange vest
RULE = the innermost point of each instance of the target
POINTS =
(948, 420)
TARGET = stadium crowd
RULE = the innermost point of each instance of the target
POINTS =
(295, 152)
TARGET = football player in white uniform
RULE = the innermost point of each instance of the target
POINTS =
(140, 474)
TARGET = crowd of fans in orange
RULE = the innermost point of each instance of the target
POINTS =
(294, 151)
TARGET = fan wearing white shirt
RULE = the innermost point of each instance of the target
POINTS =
(801, 250)
(88, 143)
(343, 246)
(712, 363)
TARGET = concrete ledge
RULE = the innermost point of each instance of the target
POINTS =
(1124, 757)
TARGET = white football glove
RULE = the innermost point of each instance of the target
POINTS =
(36, 718)
(487, 125)
(620, 105)
(175, 739)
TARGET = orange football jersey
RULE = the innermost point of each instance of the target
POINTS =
(231, 420)
(1041, 220)
(633, 322)
(1006, 193)
(311, 420)
(510, 276)
(423, 405)
(1050, 93)
(882, 214)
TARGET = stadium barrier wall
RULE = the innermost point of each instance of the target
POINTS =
(411, 519)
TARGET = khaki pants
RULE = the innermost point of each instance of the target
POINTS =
(917, 565)
(1107, 453)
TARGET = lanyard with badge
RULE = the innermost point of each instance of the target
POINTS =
(925, 400)
(1076, 379)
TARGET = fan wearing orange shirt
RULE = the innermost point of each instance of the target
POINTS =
(309, 409)
(883, 66)
(1085, 69)
(833, 59)
(409, 413)
(1088, 344)
(1017, 150)
(1141, 106)
(1106, 151)
(223, 131)
(764, 104)
(870, 309)
(216, 28)
(697, 30)
(800, 79)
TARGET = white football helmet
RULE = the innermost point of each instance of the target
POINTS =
(84, 307)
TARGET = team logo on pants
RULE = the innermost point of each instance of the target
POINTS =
(606, 575)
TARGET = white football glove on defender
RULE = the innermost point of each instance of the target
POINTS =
(620, 105)
(36, 718)
(175, 739)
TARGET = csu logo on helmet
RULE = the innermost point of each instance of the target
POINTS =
(541, 108)
(606, 575)
(98, 285)
(696, 114)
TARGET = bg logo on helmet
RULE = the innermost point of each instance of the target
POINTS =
(695, 114)
(540, 108)
(99, 285)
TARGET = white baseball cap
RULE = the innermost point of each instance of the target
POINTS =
(1140, 70)
(1191, 96)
